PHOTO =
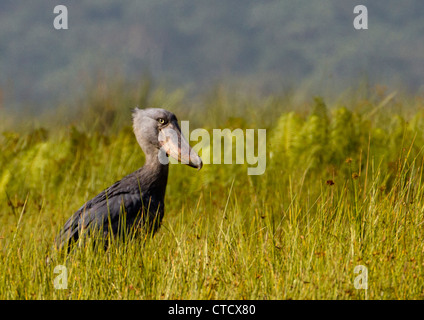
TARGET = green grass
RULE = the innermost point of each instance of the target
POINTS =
(343, 187)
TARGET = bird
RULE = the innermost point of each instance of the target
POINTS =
(136, 202)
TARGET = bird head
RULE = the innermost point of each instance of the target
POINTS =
(158, 129)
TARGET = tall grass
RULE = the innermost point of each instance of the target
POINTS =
(343, 187)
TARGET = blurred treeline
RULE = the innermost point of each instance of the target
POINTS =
(269, 44)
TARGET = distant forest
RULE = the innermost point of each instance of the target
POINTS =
(269, 44)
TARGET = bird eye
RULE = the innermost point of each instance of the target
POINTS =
(161, 121)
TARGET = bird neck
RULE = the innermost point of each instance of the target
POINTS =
(153, 165)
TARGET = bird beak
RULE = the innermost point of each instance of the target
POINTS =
(175, 145)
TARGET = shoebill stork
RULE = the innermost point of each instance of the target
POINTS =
(137, 201)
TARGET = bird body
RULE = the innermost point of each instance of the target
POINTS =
(136, 202)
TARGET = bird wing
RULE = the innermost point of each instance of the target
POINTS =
(98, 212)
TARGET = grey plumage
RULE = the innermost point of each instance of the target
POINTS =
(136, 202)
